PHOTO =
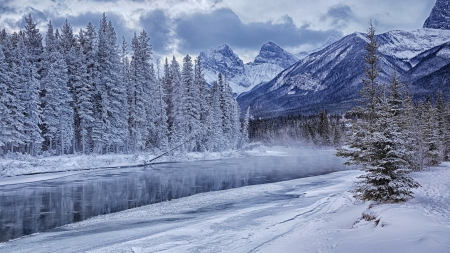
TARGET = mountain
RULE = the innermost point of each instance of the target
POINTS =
(274, 54)
(332, 39)
(223, 60)
(440, 16)
(330, 78)
(270, 61)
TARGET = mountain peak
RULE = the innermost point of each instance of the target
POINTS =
(440, 16)
(272, 53)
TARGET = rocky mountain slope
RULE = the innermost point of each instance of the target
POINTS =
(270, 61)
(440, 16)
(330, 78)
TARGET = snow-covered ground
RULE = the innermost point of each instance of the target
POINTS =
(17, 164)
(315, 214)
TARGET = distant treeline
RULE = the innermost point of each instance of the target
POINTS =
(317, 129)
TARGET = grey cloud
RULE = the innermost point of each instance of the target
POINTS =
(200, 31)
(157, 25)
(339, 16)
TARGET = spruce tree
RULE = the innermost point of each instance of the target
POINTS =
(178, 101)
(6, 102)
(245, 138)
(58, 113)
(377, 140)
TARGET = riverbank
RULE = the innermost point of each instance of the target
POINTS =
(18, 164)
(314, 214)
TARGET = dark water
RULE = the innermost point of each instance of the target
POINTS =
(39, 206)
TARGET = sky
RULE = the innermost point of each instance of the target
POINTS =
(180, 27)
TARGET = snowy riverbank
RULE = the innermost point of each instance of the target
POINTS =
(315, 214)
(16, 165)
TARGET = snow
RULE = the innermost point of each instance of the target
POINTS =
(315, 214)
(20, 165)
(406, 45)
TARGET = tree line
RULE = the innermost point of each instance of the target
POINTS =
(85, 93)
(317, 129)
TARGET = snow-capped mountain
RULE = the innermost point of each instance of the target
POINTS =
(440, 16)
(330, 78)
(223, 60)
(270, 61)
(272, 53)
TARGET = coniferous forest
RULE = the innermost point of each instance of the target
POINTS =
(85, 93)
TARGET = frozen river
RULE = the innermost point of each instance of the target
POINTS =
(37, 206)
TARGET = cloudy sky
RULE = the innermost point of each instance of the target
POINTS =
(179, 27)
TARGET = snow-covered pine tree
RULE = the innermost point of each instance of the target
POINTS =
(14, 89)
(161, 123)
(89, 45)
(192, 101)
(432, 145)
(6, 105)
(110, 123)
(68, 48)
(376, 141)
(125, 74)
(58, 113)
(117, 94)
(83, 94)
(412, 132)
(236, 134)
(226, 110)
(167, 87)
(178, 101)
(33, 42)
(387, 179)
(245, 124)
(216, 139)
(30, 97)
(140, 98)
(441, 127)
(203, 99)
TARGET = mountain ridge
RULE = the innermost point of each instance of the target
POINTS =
(330, 79)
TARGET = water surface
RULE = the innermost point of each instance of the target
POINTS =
(39, 206)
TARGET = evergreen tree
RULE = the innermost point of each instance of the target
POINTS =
(323, 129)
(216, 139)
(432, 145)
(16, 106)
(30, 97)
(245, 138)
(203, 102)
(192, 105)
(68, 49)
(6, 103)
(167, 81)
(178, 101)
(377, 140)
(142, 84)
(110, 124)
(58, 113)
(33, 42)
(84, 107)
(162, 127)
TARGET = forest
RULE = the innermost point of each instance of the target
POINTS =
(86, 93)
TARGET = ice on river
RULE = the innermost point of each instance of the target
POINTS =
(314, 214)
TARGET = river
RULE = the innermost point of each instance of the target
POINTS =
(38, 206)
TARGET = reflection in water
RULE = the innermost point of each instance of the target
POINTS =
(39, 206)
